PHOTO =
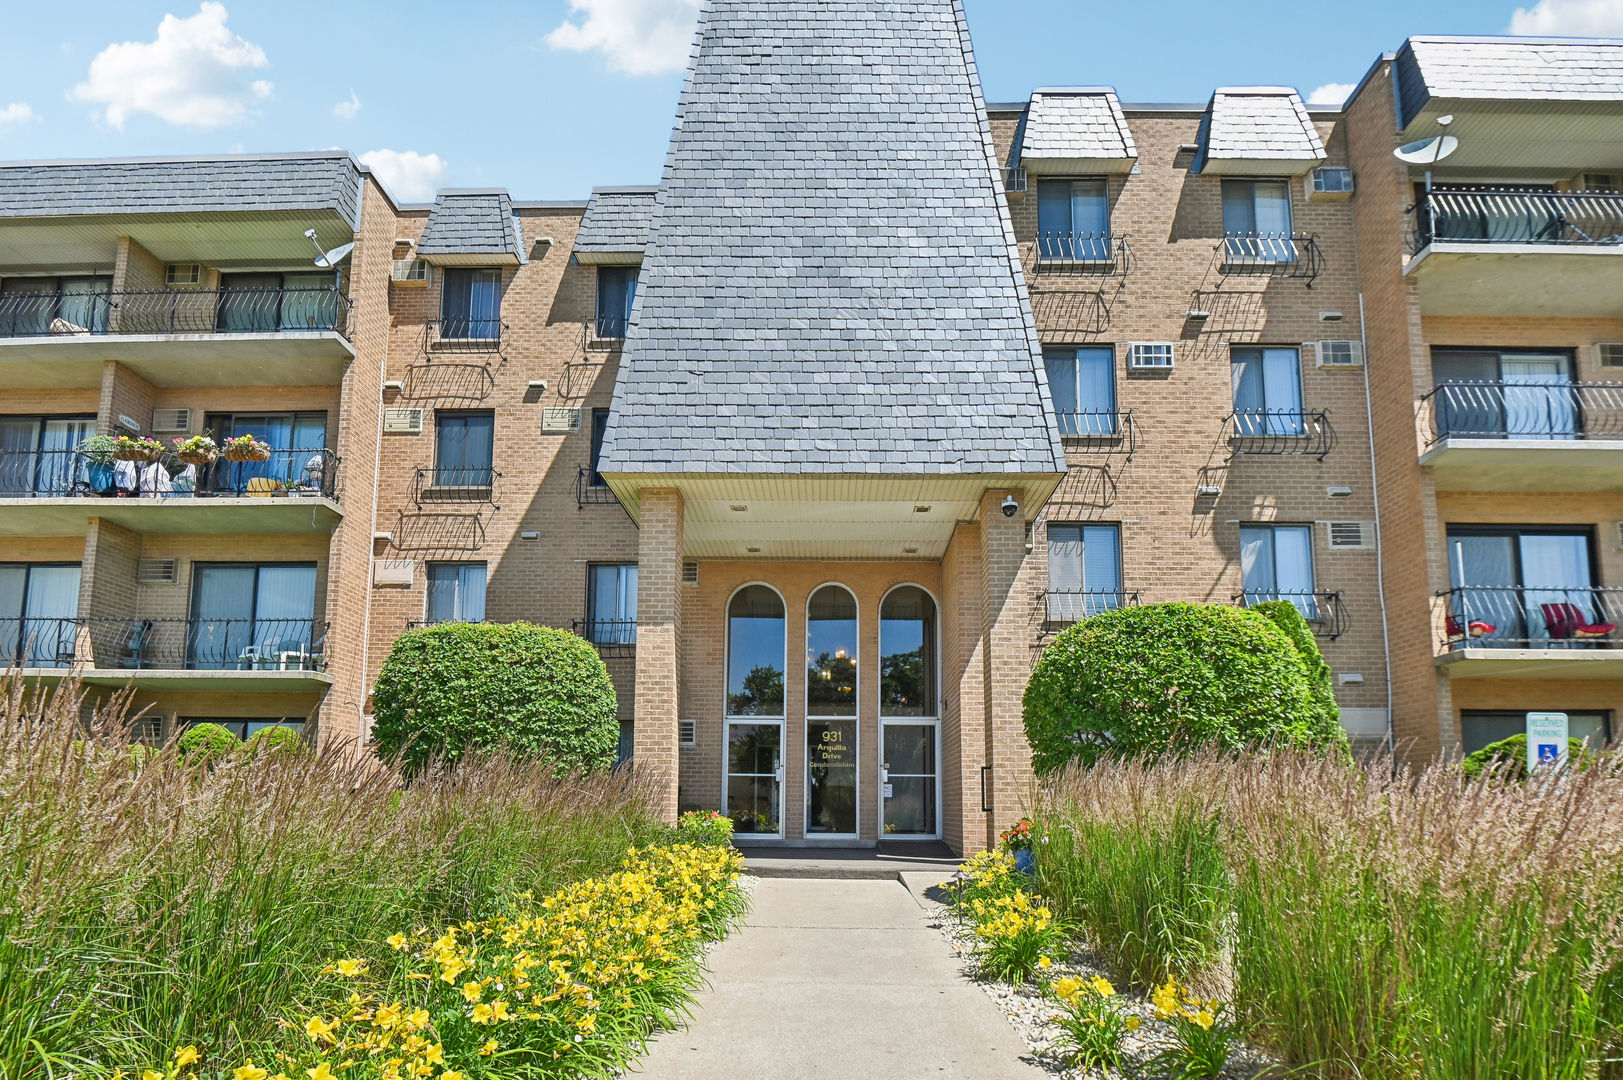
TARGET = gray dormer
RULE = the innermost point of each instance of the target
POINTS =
(1076, 130)
(1258, 131)
(615, 230)
(469, 227)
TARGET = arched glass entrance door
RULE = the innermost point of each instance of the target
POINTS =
(831, 712)
(909, 719)
(755, 666)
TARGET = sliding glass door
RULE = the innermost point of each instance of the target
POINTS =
(252, 616)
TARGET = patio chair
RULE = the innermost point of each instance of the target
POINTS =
(1567, 620)
(135, 644)
(262, 487)
(1473, 628)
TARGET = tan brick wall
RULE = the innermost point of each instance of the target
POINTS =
(963, 704)
(107, 574)
(1006, 655)
(124, 393)
(659, 643)
(54, 402)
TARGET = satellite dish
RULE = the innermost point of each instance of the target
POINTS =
(332, 258)
(1427, 151)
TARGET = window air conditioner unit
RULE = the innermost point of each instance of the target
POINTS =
(559, 420)
(1330, 183)
(1351, 535)
(171, 419)
(1610, 353)
(156, 572)
(1338, 354)
(183, 274)
(412, 273)
(402, 421)
(687, 732)
(1149, 356)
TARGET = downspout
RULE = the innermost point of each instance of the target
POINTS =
(1380, 548)
(377, 472)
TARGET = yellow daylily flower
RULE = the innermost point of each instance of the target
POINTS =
(317, 1028)
(397, 942)
(185, 1056)
(151, 1074)
(418, 1019)
(351, 968)
(488, 1049)
(249, 1071)
(320, 1072)
(471, 991)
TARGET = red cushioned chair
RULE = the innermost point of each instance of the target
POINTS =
(1569, 621)
(1476, 628)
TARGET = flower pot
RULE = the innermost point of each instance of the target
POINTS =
(257, 453)
(1025, 861)
(138, 453)
(103, 478)
(198, 457)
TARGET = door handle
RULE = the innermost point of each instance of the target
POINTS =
(778, 774)
(884, 776)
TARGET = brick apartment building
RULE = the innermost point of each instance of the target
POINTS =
(879, 374)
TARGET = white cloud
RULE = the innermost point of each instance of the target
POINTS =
(18, 112)
(639, 37)
(409, 176)
(347, 110)
(192, 74)
(1570, 18)
(1331, 93)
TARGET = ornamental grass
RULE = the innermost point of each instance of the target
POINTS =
(149, 903)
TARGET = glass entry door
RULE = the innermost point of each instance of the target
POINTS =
(908, 779)
(755, 777)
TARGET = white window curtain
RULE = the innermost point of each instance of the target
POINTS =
(614, 604)
(1539, 400)
(1276, 563)
(49, 609)
(1267, 387)
(1084, 570)
(456, 592)
(1555, 570)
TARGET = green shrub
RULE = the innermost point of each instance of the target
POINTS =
(1512, 753)
(1167, 677)
(452, 687)
(205, 742)
(704, 827)
(273, 738)
(1284, 614)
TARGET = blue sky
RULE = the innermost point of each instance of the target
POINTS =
(551, 97)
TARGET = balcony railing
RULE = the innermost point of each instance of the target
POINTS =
(462, 333)
(1509, 216)
(1097, 254)
(1553, 409)
(1322, 610)
(1098, 431)
(613, 637)
(1279, 432)
(68, 473)
(454, 485)
(589, 494)
(138, 644)
(1280, 255)
(1530, 617)
(1064, 607)
(174, 311)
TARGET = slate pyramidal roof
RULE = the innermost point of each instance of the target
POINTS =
(831, 286)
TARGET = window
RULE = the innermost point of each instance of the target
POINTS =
(50, 305)
(1491, 394)
(471, 304)
(1082, 383)
(1276, 563)
(1073, 220)
(611, 601)
(1267, 392)
(1084, 571)
(907, 653)
(755, 644)
(831, 711)
(1524, 586)
(262, 303)
(456, 592)
(1257, 220)
(1480, 727)
(39, 605)
(616, 292)
(600, 427)
(253, 616)
(297, 443)
(37, 458)
(245, 727)
(463, 447)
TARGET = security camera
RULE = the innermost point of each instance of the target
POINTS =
(1009, 506)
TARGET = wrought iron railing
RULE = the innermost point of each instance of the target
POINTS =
(1108, 431)
(1553, 409)
(613, 637)
(1280, 255)
(1323, 611)
(1063, 607)
(606, 327)
(139, 644)
(1279, 432)
(588, 493)
(1530, 617)
(174, 311)
(436, 484)
(462, 333)
(1098, 254)
(68, 473)
(1509, 216)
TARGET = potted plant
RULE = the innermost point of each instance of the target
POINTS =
(98, 452)
(141, 448)
(1017, 841)
(197, 450)
(245, 448)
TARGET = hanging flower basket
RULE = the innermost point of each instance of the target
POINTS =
(246, 448)
(197, 450)
(142, 449)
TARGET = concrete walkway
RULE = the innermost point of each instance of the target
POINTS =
(840, 978)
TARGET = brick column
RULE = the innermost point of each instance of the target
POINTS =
(659, 630)
(1005, 659)
(106, 591)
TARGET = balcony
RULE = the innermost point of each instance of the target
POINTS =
(589, 494)
(1509, 251)
(1274, 433)
(455, 485)
(1083, 254)
(177, 336)
(1551, 435)
(1529, 632)
(463, 334)
(1110, 431)
(614, 638)
(1067, 607)
(1271, 255)
(1323, 611)
(54, 492)
(174, 654)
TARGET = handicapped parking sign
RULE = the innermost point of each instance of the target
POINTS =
(1546, 739)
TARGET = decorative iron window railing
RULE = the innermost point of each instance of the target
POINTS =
(1322, 610)
(1511, 216)
(1280, 255)
(462, 333)
(1107, 431)
(1552, 409)
(613, 637)
(141, 644)
(68, 473)
(1063, 607)
(589, 494)
(1530, 617)
(1097, 254)
(1265, 432)
(433, 484)
(175, 311)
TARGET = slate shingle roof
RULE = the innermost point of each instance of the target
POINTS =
(616, 222)
(1527, 69)
(1073, 123)
(1259, 123)
(831, 286)
(324, 181)
(472, 223)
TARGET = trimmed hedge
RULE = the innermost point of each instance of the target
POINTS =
(273, 738)
(1172, 677)
(1512, 753)
(205, 742)
(452, 687)
(1284, 614)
